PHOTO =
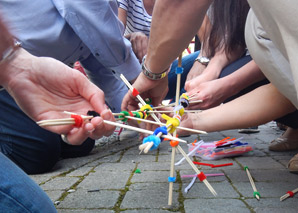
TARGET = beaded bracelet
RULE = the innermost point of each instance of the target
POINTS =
(153, 76)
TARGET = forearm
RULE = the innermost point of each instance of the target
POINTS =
(257, 107)
(6, 45)
(174, 24)
(5, 38)
(242, 78)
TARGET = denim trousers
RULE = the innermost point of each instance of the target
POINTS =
(32, 148)
(19, 193)
(187, 63)
(290, 119)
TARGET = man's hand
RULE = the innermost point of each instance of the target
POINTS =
(155, 90)
(139, 42)
(44, 88)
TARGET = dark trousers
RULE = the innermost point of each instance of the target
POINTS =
(31, 147)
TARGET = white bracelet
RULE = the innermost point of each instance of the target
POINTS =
(9, 52)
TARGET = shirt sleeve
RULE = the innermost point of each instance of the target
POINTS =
(123, 4)
(96, 23)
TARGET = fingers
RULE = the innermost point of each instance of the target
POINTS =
(99, 127)
(139, 43)
(76, 136)
(129, 102)
(94, 129)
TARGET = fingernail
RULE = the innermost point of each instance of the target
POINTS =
(107, 115)
(90, 131)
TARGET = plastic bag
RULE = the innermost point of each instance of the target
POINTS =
(221, 149)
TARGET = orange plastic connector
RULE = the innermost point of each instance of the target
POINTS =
(174, 143)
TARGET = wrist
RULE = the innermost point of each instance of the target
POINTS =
(8, 53)
(11, 67)
(203, 60)
(151, 75)
(6, 57)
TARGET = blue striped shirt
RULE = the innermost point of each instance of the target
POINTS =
(138, 20)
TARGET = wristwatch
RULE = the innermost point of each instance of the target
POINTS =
(203, 60)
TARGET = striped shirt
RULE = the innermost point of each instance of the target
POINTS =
(138, 20)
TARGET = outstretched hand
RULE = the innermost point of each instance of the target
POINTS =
(44, 88)
(155, 90)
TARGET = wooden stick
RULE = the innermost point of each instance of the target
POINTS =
(191, 153)
(289, 194)
(196, 170)
(51, 123)
(147, 146)
(142, 130)
(58, 123)
(163, 124)
(193, 102)
(63, 119)
(162, 106)
(171, 111)
(172, 168)
(55, 120)
(256, 193)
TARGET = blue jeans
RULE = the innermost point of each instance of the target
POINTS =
(290, 119)
(32, 148)
(18, 192)
(187, 63)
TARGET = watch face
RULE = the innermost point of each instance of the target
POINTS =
(204, 60)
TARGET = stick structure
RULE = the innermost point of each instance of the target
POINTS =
(137, 96)
(61, 121)
(256, 193)
(163, 124)
(197, 170)
(289, 194)
(67, 121)
(191, 153)
(172, 167)
(207, 175)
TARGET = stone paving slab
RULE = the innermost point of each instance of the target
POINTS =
(106, 181)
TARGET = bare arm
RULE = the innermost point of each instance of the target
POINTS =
(44, 88)
(217, 91)
(122, 15)
(247, 75)
(260, 106)
(170, 34)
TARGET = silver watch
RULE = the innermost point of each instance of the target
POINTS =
(203, 60)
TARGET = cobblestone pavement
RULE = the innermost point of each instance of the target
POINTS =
(106, 181)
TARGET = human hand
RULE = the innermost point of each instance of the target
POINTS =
(196, 70)
(212, 93)
(139, 42)
(155, 90)
(44, 88)
(205, 76)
